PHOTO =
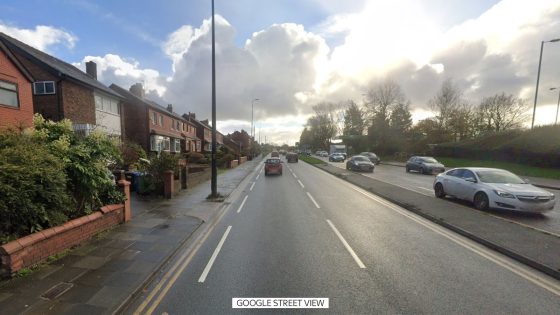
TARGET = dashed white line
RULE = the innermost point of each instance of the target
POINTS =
(428, 189)
(257, 178)
(214, 255)
(242, 204)
(252, 185)
(300, 183)
(315, 202)
(348, 248)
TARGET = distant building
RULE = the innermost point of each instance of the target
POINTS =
(154, 127)
(61, 90)
(16, 98)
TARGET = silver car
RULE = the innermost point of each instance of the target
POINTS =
(493, 188)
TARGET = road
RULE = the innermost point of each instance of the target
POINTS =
(422, 184)
(309, 234)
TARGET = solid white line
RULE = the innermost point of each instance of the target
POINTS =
(300, 183)
(535, 277)
(257, 178)
(315, 202)
(348, 248)
(214, 255)
(294, 174)
(242, 204)
(252, 185)
(428, 189)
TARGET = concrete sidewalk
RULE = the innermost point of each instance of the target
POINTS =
(102, 275)
(537, 181)
(535, 248)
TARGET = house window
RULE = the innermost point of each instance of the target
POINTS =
(183, 126)
(172, 124)
(154, 118)
(161, 120)
(177, 125)
(106, 104)
(159, 143)
(43, 87)
(8, 94)
(176, 145)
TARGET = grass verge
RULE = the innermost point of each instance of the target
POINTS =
(519, 169)
(311, 160)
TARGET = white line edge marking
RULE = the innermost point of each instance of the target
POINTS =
(242, 204)
(300, 183)
(214, 255)
(257, 178)
(348, 248)
(428, 189)
(252, 185)
(533, 277)
(315, 202)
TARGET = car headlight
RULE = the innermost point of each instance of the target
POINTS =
(552, 196)
(504, 194)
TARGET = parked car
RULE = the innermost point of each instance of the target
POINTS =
(324, 154)
(372, 157)
(424, 165)
(493, 188)
(272, 166)
(360, 163)
(336, 157)
(274, 154)
(292, 157)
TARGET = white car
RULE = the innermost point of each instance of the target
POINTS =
(493, 188)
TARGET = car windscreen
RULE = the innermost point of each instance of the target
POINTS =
(361, 158)
(429, 160)
(499, 177)
(273, 161)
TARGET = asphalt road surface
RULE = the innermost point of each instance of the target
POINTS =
(308, 234)
(423, 184)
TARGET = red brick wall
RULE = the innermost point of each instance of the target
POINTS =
(166, 129)
(78, 103)
(136, 124)
(34, 248)
(10, 116)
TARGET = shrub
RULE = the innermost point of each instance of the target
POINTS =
(225, 159)
(157, 167)
(32, 186)
(131, 154)
(195, 157)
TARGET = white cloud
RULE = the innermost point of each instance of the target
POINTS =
(41, 37)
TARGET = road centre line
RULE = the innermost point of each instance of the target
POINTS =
(257, 178)
(252, 185)
(242, 204)
(315, 202)
(348, 248)
(214, 255)
(531, 275)
(300, 183)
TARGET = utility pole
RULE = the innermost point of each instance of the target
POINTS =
(214, 181)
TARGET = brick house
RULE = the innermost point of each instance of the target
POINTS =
(204, 132)
(16, 98)
(154, 127)
(60, 90)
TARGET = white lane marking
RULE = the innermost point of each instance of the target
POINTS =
(214, 255)
(257, 178)
(252, 185)
(348, 248)
(300, 183)
(242, 204)
(533, 276)
(315, 202)
(404, 187)
(428, 189)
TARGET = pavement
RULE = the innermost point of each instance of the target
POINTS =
(103, 275)
(308, 234)
(536, 248)
(537, 181)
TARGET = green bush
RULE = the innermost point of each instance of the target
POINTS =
(156, 168)
(131, 154)
(195, 157)
(225, 159)
(32, 186)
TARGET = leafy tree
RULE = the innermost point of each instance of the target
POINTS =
(400, 119)
(353, 120)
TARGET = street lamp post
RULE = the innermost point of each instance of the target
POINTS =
(538, 77)
(252, 125)
(214, 181)
(557, 105)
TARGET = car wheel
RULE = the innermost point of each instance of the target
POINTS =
(438, 190)
(422, 171)
(407, 169)
(481, 201)
(347, 167)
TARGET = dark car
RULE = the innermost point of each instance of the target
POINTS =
(360, 163)
(292, 157)
(371, 156)
(275, 154)
(336, 157)
(272, 166)
(424, 165)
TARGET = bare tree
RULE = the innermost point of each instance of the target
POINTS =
(382, 98)
(446, 102)
(502, 112)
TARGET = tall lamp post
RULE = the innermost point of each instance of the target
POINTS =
(538, 77)
(557, 105)
(252, 124)
(214, 181)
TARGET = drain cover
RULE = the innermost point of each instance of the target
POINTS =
(57, 290)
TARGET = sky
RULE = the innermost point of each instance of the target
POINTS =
(294, 54)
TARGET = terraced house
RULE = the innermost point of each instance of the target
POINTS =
(60, 90)
(154, 127)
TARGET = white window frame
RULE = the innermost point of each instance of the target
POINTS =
(44, 84)
(14, 90)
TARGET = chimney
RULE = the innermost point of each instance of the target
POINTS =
(190, 116)
(137, 90)
(91, 69)
(170, 108)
